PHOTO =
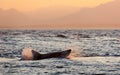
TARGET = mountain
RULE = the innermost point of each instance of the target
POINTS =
(11, 18)
(108, 14)
(104, 15)
(46, 14)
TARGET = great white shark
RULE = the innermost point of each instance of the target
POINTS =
(30, 54)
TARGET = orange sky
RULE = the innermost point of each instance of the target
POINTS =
(30, 5)
(44, 13)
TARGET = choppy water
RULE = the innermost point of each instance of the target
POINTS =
(98, 47)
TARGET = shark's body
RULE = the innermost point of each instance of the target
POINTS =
(29, 54)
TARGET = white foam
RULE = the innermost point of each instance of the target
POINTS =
(97, 59)
(8, 59)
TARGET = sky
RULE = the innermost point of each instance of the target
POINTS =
(32, 5)
(59, 14)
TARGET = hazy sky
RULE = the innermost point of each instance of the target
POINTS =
(30, 5)
(59, 13)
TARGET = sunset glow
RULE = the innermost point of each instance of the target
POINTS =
(60, 14)
(30, 5)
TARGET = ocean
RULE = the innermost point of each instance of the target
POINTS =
(95, 52)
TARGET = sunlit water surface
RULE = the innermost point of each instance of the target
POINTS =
(93, 52)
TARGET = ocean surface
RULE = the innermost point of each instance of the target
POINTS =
(95, 52)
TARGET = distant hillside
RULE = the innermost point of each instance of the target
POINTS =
(104, 14)
(12, 17)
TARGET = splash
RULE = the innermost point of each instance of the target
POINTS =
(76, 53)
(73, 54)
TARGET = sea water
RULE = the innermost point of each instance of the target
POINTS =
(94, 52)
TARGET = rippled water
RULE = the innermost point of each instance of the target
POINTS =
(97, 52)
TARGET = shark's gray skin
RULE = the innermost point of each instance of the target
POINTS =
(29, 54)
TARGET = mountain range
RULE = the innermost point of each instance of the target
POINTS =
(104, 14)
